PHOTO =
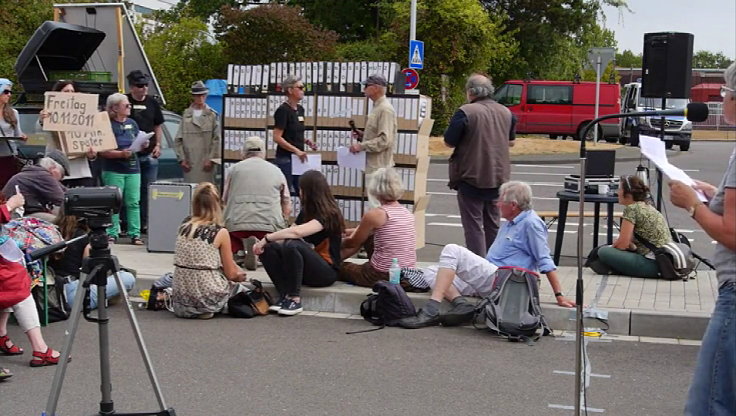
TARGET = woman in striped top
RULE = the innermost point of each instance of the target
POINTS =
(390, 226)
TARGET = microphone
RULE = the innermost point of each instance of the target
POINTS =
(693, 112)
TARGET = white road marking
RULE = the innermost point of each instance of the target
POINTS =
(446, 224)
(545, 166)
(442, 193)
(539, 173)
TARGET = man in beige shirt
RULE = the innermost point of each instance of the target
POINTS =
(380, 130)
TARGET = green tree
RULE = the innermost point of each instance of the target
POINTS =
(707, 59)
(628, 59)
(180, 54)
(354, 20)
(20, 18)
(471, 41)
(553, 35)
(272, 33)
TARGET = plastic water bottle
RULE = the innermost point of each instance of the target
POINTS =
(394, 273)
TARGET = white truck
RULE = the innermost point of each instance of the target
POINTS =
(677, 129)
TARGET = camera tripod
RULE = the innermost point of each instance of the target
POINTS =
(95, 269)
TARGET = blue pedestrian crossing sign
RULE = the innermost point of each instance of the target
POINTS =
(416, 54)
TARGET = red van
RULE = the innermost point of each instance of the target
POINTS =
(560, 108)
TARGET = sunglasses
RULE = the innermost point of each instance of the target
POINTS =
(725, 90)
(301, 87)
(141, 85)
(7, 92)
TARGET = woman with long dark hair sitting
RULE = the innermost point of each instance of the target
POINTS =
(627, 256)
(307, 253)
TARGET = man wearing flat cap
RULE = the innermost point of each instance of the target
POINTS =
(380, 131)
(257, 200)
(197, 142)
(40, 185)
(146, 111)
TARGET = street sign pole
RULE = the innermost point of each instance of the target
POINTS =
(598, 59)
(413, 21)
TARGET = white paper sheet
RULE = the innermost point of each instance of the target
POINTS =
(350, 160)
(653, 148)
(314, 162)
(141, 141)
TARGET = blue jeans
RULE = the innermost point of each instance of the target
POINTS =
(110, 290)
(284, 163)
(714, 382)
(149, 174)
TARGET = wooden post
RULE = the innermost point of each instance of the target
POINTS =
(121, 50)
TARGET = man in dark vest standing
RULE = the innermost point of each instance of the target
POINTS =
(481, 133)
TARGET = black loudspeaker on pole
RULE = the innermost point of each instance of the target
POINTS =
(667, 63)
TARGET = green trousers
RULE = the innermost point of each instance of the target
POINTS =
(628, 263)
(130, 187)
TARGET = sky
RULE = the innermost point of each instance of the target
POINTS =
(713, 22)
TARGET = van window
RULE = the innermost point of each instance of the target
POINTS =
(671, 103)
(508, 94)
(549, 94)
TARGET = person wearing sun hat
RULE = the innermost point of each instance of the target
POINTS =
(9, 127)
(197, 142)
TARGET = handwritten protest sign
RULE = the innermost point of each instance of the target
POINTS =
(99, 139)
(70, 111)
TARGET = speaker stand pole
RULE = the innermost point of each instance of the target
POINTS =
(659, 171)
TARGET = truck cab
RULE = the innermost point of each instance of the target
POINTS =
(677, 129)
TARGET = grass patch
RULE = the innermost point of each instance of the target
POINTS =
(529, 146)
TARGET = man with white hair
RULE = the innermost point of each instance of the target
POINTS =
(257, 200)
(481, 133)
(41, 186)
(379, 136)
(521, 242)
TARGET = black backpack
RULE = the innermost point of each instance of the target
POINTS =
(386, 306)
(512, 308)
(57, 302)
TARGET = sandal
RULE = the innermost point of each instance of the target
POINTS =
(136, 241)
(5, 374)
(42, 359)
(7, 347)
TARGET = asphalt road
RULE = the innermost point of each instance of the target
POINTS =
(307, 366)
(705, 161)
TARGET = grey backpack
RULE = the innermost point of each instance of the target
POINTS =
(512, 308)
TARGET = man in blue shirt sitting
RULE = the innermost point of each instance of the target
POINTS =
(521, 242)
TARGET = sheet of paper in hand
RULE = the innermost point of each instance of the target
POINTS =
(69, 111)
(141, 141)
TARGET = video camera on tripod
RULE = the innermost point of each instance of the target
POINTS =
(97, 206)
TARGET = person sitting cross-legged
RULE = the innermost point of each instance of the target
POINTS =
(521, 242)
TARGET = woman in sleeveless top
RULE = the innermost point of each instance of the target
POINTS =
(9, 127)
(392, 228)
(205, 274)
(307, 253)
(627, 256)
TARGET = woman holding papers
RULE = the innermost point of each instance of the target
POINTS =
(627, 256)
(79, 173)
(9, 127)
(121, 168)
(714, 381)
(392, 228)
(288, 130)
(307, 253)
(198, 140)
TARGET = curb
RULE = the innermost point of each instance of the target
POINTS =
(625, 154)
(344, 298)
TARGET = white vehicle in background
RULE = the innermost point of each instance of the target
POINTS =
(677, 129)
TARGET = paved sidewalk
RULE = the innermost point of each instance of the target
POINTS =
(636, 307)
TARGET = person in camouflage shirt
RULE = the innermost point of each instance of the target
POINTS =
(627, 256)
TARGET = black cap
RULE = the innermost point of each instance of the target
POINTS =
(375, 79)
(137, 76)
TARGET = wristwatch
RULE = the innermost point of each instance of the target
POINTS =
(558, 294)
(693, 208)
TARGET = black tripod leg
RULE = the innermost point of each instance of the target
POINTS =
(66, 351)
(141, 343)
